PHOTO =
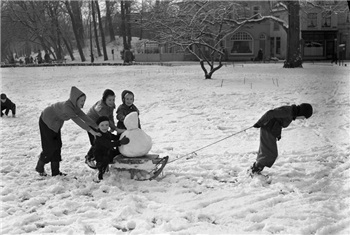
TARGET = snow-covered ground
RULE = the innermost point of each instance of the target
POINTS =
(182, 112)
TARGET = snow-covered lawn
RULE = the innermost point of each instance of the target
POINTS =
(182, 112)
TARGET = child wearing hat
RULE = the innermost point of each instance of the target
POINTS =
(103, 107)
(7, 105)
(125, 108)
(105, 147)
(50, 123)
(271, 124)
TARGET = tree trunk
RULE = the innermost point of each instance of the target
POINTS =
(76, 9)
(123, 26)
(95, 31)
(75, 30)
(68, 48)
(109, 21)
(128, 22)
(294, 59)
(208, 75)
(102, 33)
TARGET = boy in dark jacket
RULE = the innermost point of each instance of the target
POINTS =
(105, 147)
(7, 105)
(126, 108)
(271, 124)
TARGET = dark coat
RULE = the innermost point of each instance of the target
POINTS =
(122, 111)
(7, 106)
(276, 119)
(104, 147)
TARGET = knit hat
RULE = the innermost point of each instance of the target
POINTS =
(126, 92)
(3, 96)
(304, 110)
(107, 93)
(102, 119)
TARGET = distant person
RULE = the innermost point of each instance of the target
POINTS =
(334, 58)
(128, 56)
(47, 57)
(271, 124)
(50, 123)
(26, 59)
(7, 105)
(260, 55)
(39, 58)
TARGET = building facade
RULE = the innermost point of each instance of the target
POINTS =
(325, 28)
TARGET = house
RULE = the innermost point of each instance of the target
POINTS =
(324, 25)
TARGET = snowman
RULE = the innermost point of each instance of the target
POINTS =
(140, 143)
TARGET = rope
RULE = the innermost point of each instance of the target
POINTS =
(194, 152)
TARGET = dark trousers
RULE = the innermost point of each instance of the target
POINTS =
(91, 138)
(7, 110)
(268, 152)
(51, 144)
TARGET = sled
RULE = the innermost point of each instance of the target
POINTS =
(147, 167)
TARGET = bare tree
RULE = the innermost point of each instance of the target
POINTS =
(95, 30)
(101, 31)
(76, 26)
(294, 58)
(200, 27)
(109, 20)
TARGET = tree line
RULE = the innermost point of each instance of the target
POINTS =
(60, 27)
(198, 27)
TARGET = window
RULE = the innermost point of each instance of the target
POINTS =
(326, 19)
(278, 45)
(272, 46)
(242, 43)
(256, 10)
(276, 26)
(262, 37)
(312, 20)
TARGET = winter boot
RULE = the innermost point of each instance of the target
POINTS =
(255, 169)
(40, 168)
(55, 169)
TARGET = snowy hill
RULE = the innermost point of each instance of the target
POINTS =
(204, 193)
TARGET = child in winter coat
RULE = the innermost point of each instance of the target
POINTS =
(7, 105)
(50, 123)
(103, 107)
(271, 124)
(126, 108)
(105, 147)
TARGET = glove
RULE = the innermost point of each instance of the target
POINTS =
(125, 140)
(256, 125)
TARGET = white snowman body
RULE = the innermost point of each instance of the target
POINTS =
(140, 143)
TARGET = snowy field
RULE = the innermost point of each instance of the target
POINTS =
(206, 193)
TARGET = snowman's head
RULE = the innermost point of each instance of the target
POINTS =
(127, 97)
(131, 121)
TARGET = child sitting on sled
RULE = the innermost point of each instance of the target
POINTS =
(126, 108)
(105, 147)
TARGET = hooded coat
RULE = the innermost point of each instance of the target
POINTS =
(123, 110)
(99, 109)
(55, 115)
